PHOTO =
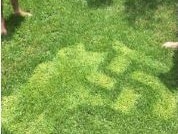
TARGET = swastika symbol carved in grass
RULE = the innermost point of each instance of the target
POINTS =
(74, 78)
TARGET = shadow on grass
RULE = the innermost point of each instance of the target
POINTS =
(170, 78)
(143, 9)
(13, 22)
(99, 3)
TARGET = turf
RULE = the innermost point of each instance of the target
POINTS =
(90, 67)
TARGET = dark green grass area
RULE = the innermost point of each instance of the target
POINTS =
(90, 66)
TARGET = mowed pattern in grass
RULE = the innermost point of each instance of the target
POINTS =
(90, 71)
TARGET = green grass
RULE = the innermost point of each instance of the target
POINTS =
(90, 67)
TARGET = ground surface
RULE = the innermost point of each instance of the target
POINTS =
(90, 66)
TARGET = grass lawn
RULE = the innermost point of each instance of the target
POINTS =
(90, 67)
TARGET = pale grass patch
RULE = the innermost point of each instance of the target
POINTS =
(8, 110)
(81, 95)
(165, 107)
(43, 74)
(126, 101)
(7, 106)
(123, 49)
(101, 80)
(85, 97)
(119, 64)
